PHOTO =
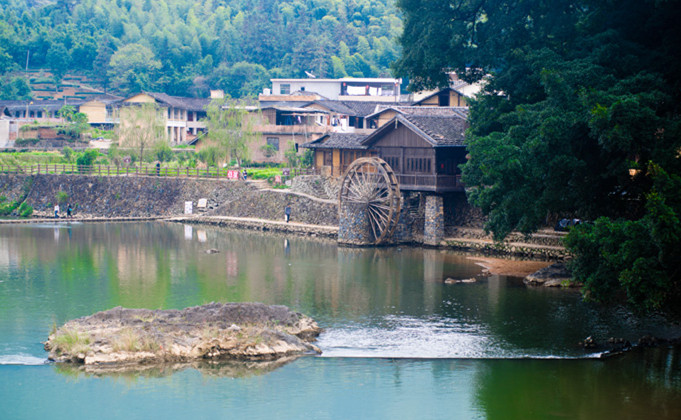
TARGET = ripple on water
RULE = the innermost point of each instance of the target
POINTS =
(420, 338)
(22, 359)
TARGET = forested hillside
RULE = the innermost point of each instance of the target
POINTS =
(185, 47)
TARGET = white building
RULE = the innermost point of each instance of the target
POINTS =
(345, 89)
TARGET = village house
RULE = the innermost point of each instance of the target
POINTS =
(423, 146)
(16, 114)
(343, 89)
(182, 115)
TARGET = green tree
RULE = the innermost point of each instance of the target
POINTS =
(291, 154)
(75, 122)
(59, 60)
(579, 97)
(163, 152)
(240, 80)
(231, 126)
(6, 62)
(14, 88)
(634, 260)
(141, 127)
(132, 68)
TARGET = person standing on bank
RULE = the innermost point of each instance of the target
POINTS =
(56, 211)
(287, 213)
(68, 211)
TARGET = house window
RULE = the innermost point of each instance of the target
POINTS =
(394, 162)
(285, 89)
(328, 158)
(274, 142)
(421, 165)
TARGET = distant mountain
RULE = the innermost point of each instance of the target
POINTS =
(186, 47)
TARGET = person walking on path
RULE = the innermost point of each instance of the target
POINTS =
(245, 174)
(287, 213)
(68, 211)
(56, 211)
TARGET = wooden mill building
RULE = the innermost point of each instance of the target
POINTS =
(423, 145)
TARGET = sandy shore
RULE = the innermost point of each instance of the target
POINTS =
(514, 268)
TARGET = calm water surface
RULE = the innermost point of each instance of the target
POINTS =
(398, 343)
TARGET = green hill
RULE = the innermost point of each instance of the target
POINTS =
(186, 47)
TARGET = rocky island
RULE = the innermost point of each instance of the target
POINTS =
(216, 331)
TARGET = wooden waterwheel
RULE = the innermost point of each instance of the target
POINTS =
(371, 184)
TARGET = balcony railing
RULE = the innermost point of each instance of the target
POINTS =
(429, 182)
(295, 129)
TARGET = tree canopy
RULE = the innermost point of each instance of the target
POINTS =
(192, 45)
(581, 102)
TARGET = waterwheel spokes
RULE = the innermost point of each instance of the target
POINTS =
(371, 183)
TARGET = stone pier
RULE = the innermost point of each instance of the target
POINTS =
(434, 225)
(353, 224)
(403, 230)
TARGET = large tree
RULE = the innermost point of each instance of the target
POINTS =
(582, 97)
(231, 127)
(133, 68)
(141, 127)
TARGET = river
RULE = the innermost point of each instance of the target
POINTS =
(398, 342)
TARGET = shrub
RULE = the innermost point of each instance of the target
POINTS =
(86, 159)
(25, 210)
(163, 152)
(211, 155)
(62, 197)
(6, 208)
(67, 152)
(26, 142)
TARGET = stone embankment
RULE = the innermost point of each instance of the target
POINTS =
(115, 197)
(296, 228)
(543, 244)
(250, 205)
(216, 331)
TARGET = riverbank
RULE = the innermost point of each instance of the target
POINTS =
(244, 205)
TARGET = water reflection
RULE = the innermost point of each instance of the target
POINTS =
(385, 302)
(639, 385)
(223, 369)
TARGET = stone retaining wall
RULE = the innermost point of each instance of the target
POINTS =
(148, 196)
(270, 204)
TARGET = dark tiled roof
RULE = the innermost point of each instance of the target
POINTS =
(442, 130)
(362, 109)
(39, 105)
(104, 98)
(433, 111)
(438, 130)
(336, 106)
(284, 104)
(191, 104)
(337, 141)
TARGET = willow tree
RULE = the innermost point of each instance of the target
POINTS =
(141, 127)
(231, 127)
